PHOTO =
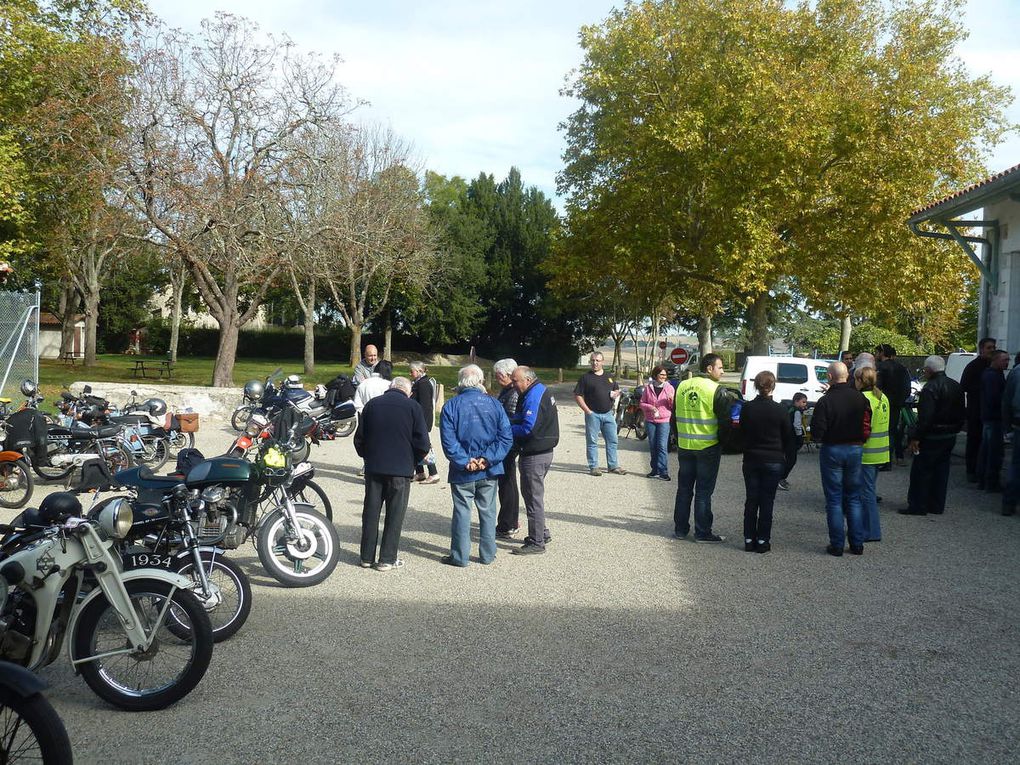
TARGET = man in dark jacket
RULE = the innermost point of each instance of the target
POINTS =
(392, 439)
(894, 382)
(536, 429)
(993, 383)
(508, 520)
(842, 423)
(940, 416)
(970, 381)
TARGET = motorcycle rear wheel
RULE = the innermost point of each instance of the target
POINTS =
(126, 680)
(230, 614)
(154, 452)
(293, 562)
(31, 730)
(16, 484)
(640, 426)
(178, 440)
(345, 427)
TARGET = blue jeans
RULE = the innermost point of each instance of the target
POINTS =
(483, 495)
(605, 423)
(1011, 496)
(658, 435)
(869, 503)
(990, 455)
(761, 479)
(695, 480)
(841, 478)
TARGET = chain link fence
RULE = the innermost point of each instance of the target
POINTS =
(19, 340)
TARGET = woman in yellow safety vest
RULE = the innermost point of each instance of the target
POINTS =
(876, 449)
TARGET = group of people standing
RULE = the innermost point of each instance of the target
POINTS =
(490, 442)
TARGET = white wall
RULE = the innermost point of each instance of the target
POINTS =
(1004, 301)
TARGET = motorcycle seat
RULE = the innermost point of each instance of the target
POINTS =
(131, 419)
(142, 477)
(103, 431)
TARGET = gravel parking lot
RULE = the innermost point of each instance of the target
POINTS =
(620, 644)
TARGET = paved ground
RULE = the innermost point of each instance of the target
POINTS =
(620, 644)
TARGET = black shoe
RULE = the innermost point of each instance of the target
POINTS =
(834, 551)
(528, 548)
(763, 547)
(653, 474)
(857, 550)
(710, 538)
(749, 547)
(449, 561)
(678, 535)
(783, 485)
(908, 511)
(885, 468)
(665, 477)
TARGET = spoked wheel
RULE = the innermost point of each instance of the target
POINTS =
(240, 417)
(15, 485)
(298, 557)
(155, 452)
(53, 473)
(229, 601)
(31, 731)
(178, 440)
(117, 456)
(153, 678)
(345, 427)
(313, 494)
(640, 426)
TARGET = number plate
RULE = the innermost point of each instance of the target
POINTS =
(147, 560)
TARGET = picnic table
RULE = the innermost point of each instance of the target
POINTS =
(155, 368)
(69, 357)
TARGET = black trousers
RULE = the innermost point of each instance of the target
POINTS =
(509, 495)
(393, 490)
(929, 476)
(799, 442)
(895, 433)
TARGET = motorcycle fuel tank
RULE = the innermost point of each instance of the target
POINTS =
(218, 470)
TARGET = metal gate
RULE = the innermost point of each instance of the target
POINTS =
(19, 340)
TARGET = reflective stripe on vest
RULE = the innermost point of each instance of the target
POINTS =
(876, 448)
(696, 426)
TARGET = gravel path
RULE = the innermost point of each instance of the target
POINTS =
(620, 644)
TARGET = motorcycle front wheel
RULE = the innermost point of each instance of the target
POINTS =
(15, 484)
(640, 426)
(31, 730)
(240, 417)
(230, 601)
(299, 557)
(167, 671)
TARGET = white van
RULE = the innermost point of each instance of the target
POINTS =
(793, 375)
(957, 362)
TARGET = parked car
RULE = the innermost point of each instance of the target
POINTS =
(956, 362)
(793, 375)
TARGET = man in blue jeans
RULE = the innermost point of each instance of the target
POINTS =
(476, 437)
(842, 423)
(596, 393)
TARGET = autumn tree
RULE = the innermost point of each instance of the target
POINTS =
(211, 120)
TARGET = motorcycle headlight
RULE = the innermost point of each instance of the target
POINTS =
(255, 425)
(116, 518)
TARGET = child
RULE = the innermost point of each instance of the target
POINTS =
(800, 403)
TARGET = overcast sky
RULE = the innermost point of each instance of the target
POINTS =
(475, 85)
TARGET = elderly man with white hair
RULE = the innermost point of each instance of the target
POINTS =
(941, 413)
(476, 436)
(508, 519)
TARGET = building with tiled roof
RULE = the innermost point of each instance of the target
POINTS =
(992, 243)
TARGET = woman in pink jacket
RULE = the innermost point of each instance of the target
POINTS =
(657, 405)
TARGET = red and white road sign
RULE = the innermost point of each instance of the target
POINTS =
(679, 356)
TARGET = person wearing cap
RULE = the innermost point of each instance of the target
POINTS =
(940, 417)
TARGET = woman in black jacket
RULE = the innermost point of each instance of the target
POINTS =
(768, 447)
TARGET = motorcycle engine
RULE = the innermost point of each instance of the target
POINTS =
(17, 625)
(218, 524)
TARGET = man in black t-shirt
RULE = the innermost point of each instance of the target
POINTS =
(595, 393)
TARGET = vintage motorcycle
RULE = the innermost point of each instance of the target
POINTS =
(140, 639)
(296, 545)
(30, 728)
(629, 415)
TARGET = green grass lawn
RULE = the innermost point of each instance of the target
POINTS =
(55, 376)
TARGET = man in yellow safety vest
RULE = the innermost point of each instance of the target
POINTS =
(699, 404)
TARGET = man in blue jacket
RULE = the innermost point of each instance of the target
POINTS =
(536, 429)
(392, 439)
(476, 437)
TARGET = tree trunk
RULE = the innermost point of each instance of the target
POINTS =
(704, 335)
(355, 343)
(223, 371)
(388, 338)
(758, 317)
(844, 333)
(91, 301)
(176, 311)
(308, 308)
(68, 307)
